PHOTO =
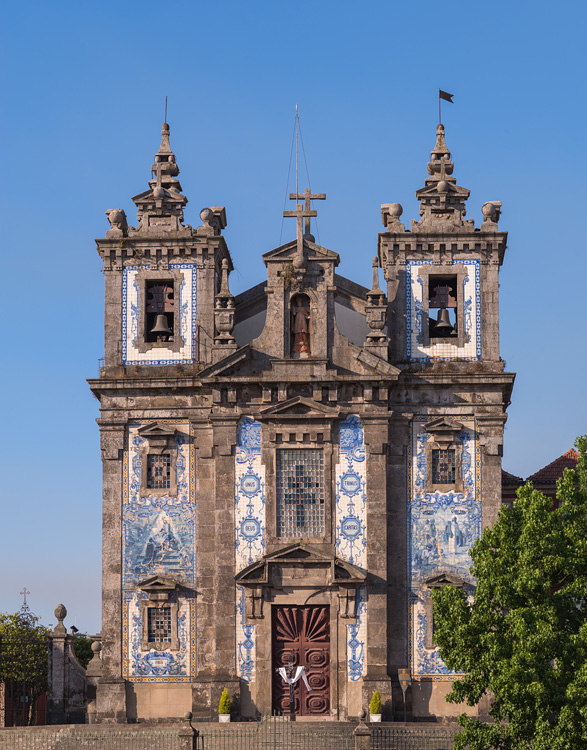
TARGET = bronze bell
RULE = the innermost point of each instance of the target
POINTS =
(161, 326)
(443, 325)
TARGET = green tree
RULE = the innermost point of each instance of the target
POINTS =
(523, 640)
(82, 648)
(23, 664)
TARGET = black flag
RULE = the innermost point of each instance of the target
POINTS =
(443, 95)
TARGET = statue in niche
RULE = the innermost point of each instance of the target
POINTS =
(300, 325)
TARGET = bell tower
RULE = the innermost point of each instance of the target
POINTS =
(443, 326)
(167, 315)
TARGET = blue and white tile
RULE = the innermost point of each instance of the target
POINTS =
(159, 538)
(471, 350)
(351, 528)
(188, 319)
(442, 527)
(249, 531)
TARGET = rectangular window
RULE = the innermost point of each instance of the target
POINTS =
(158, 474)
(442, 306)
(300, 493)
(159, 625)
(159, 311)
(443, 466)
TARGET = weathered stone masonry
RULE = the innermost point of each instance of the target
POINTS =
(289, 473)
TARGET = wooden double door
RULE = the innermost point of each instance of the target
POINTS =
(302, 635)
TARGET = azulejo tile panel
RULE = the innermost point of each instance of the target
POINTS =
(351, 528)
(159, 538)
(415, 314)
(249, 531)
(188, 319)
(441, 529)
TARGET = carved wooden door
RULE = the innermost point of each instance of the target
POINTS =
(302, 634)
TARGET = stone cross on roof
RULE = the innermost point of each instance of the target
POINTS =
(300, 213)
(307, 196)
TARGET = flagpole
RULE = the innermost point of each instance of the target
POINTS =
(439, 115)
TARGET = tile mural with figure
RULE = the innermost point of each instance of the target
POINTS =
(442, 527)
(159, 538)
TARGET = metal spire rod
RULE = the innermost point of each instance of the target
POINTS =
(297, 118)
(165, 110)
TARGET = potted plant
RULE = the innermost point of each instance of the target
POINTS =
(375, 707)
(224, 707)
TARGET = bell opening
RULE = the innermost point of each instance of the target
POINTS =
(159, 311)
(442, 306)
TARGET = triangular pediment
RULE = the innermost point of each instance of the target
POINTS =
(156, 430)
(287, 252)
(444, 579)
(158, 583)
(340, 571)
(301, 406)
(443, 426)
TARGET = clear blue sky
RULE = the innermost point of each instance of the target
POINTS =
(83, 90)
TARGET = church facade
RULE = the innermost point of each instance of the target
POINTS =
(289, 473)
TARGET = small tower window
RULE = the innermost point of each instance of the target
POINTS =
(443, 466)
(158, 471)
(159, 625)
(159, 317)
(442, 306)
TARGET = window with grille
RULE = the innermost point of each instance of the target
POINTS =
(443, 466)
(159, 625)
(300, 493)
(158, 472)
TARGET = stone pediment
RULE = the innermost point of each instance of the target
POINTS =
(443, 430)
(287, 252)
(300, 566)
(158, 587)
(157, 435)
(300, 406)
(444, 579)
(310, 562)
(228, 365)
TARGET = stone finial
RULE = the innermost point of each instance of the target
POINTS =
(442, 201)
(376, 315)
(118, 225)
(160, 209)
(60, 614)
(390, 213)
(491, 212)
(224, 311)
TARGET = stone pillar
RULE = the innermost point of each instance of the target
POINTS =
(376, 678)
(362, 734)
(93, 673)
(215, 569)
(57, 669)
(111, 689)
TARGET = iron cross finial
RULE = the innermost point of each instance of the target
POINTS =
(24, 593)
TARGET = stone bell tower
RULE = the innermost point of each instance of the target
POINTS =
(168, 313)
(443, 323)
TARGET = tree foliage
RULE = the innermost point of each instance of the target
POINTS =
(523, 640)
(23, 664)
(82, 648)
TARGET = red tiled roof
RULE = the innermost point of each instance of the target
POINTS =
(554, 470)
(510, 479)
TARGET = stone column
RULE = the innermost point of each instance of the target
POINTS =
(57, 669)
(376, 678)
(215, 568)
(111, 691)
